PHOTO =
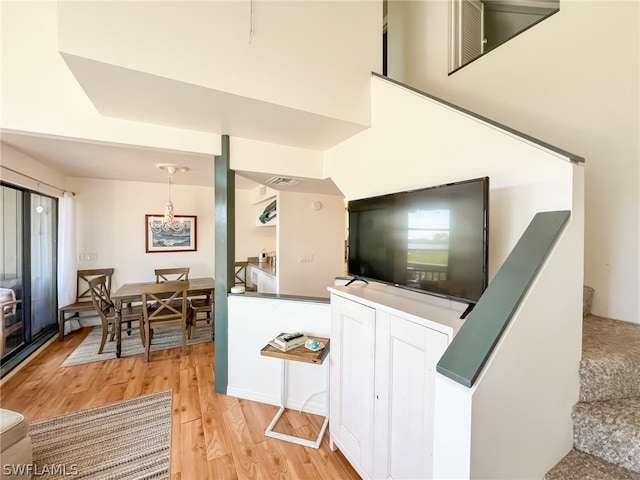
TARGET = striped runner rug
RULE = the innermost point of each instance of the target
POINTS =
(126, 440)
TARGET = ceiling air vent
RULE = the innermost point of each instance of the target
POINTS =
(283, 181)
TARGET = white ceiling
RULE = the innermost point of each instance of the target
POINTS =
(75, 158)
(151, 99)
(121, 92)
(122, 162)
(129, 94)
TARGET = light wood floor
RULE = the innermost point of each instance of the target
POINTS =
(213, 436)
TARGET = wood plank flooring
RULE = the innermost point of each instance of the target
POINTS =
(213, 436)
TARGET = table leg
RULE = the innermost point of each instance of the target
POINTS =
(283, 384)
(118, 327)
(291, 438)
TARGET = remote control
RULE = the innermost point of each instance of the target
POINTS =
(291, 336)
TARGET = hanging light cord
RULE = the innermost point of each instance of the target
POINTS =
(169, 223)
(170, 174)
(250, 21)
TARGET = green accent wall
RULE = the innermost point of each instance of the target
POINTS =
(470, 349)
(225, 231)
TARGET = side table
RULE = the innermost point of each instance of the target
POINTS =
(299, 354)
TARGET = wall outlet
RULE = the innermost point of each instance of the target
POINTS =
(306, 258)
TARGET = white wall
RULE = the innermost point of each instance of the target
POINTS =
(315, 233)
(569, 86)
(254, 156)
(413, 142)
(250, 239)
(111, 223)
(131, 201)
(317, 54)
(104, 205)
(41, 95)
(47, 180)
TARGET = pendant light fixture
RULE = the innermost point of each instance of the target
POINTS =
(168, 223)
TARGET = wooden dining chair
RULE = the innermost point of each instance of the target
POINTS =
(164, 305)
(202, 304)
(10, 319)
(171, 274)
(99, 289)
(83, 301)
(199, 303)
(241, 272)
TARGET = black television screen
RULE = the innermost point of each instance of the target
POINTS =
(432, 240)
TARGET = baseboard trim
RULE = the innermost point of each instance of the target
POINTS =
(27, 360)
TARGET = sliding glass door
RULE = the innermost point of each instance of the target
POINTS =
(43, 262)
(28, 229)
(11, 271)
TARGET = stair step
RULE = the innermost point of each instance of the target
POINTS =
(577, 465)
(610, 365)
(610, 430)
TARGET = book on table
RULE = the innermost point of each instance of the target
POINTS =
(287, 341)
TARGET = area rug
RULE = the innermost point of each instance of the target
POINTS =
(126, 440)
(163, 339)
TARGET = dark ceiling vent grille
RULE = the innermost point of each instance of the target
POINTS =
(283, 181)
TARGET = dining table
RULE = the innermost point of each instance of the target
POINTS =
(131, 292)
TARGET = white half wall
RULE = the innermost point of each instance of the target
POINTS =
(253, 321)
(515, 421)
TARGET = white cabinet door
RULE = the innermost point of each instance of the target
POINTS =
(253, 277)
(261, 281)
(406, 358)
(352, 381)
(268, 283)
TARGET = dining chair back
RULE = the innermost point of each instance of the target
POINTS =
(202, 304)
(100, 291)
(241, 272)
(83, 302)
(10, 322)
(164, 305)
(171, 274)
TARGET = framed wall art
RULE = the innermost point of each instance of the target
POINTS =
(180, 235)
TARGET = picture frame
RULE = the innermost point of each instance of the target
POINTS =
(164, 240)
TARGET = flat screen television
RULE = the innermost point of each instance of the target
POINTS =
(433, 240)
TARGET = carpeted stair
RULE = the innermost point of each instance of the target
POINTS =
(607, 417)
